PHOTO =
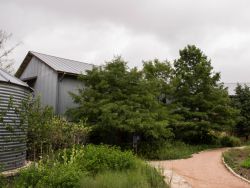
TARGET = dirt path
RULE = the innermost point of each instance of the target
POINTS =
(204, 170)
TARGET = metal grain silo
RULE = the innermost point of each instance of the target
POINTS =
(12, 130)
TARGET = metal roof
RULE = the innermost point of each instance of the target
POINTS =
(6, 77)
(57, 63)
(232, 86)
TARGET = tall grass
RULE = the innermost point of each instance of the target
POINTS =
(175, 150)
(91, 166)
(142, 177)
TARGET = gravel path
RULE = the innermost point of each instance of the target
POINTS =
(204, 170)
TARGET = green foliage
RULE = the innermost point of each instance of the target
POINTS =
(229, 157)
(47, 132)
(114, 180)
(185, 101)
(37, 117)
(143, 177)
(242, 102)
(63, 134)
(58, 175)
(246, 163)
(230, 141)
(204, 104)
(119, 103)
(174, 150)
(77, 167)
(239, 160)
(30, 177)
(160, 74)
(96, 159)
(3, 181)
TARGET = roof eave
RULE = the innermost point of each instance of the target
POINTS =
(24, 64)
(26, 61)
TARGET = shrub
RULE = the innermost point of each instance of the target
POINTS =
(100, 158)
(47, 132)
(30, 177)
(92, 166)
(230, 141)
(59, 175)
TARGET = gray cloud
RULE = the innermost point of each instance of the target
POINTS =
(95, 31)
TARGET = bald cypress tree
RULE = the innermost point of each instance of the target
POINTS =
(242, 102)
(203, 101)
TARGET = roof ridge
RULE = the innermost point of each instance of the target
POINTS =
(60, 57)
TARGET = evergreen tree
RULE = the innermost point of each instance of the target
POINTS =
(203, 102)
(242, 102)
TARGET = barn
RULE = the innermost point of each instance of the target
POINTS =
(52, 78)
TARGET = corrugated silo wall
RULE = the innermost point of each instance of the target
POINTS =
(12, 129)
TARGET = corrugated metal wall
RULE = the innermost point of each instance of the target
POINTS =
(53, 90)
(46, 83)
(66, 85)
(12, 133)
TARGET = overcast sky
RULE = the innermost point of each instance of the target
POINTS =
(94, 31)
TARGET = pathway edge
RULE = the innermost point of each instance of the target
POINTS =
(232, 171)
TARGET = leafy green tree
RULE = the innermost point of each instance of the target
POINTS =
(203, 101)
(160, 74)
(118, 103)
(242, 102)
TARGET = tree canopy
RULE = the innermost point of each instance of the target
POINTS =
(183, 99)
(203, 101)
(242, 102)
(119, 102)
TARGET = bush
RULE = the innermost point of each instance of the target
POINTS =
(230, 141)
(101, 158)
(90, 166)
(47, 132)
(59, 175)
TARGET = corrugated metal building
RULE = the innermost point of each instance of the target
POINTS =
(12, 132)
(52, 78)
